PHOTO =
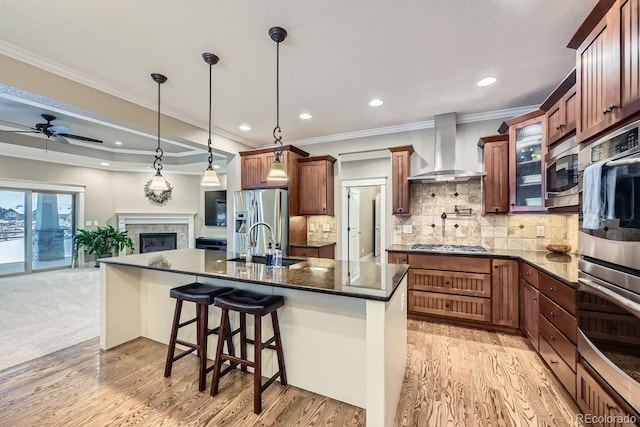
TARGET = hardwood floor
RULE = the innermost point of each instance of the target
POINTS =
(456, 376)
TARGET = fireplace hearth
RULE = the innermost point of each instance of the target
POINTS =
(154, 242)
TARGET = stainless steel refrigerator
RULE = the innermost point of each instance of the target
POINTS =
(252, 206)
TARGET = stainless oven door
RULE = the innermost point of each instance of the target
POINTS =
(609, 327)
(561, 168)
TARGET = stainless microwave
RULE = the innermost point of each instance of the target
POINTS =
(561, 168)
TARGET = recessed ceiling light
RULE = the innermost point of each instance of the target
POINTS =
(305, 116)
(105, 164)
(244, 127)
(216, 166)
(375, 102)
(486, 81)
(118, 142)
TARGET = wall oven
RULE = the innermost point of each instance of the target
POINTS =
(561, 165)
(609, 267)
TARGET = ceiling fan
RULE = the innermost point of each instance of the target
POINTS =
(55, 132)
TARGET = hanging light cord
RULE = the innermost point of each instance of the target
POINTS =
(209, 141)
(277, 139)
(157, 163)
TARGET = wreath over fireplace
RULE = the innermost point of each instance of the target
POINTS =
(160, 198)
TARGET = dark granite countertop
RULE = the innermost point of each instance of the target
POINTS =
(374, 281)
(563, 267)
(312, 244)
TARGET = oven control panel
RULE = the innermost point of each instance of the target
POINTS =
(615, 146)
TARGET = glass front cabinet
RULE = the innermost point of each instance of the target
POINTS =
(527, 148)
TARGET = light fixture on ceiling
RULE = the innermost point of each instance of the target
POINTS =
(210, 177)
(375, 102)
(305, 116)
(486, 81)
(277, 171)
(244, 127)
(118, 142)
(158, 183)
(105, 164)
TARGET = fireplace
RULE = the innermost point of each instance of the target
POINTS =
(154, 242)
(156, 222)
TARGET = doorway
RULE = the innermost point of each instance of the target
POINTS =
(362, 235)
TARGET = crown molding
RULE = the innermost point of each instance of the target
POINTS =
(427, 124)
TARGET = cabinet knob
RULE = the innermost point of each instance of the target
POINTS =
(612, 107)
(535, 298)
(560, 126)
(527, 273)
(399, 209)
(446, 305)
(610, 407)
(446, 283)
(552, 338)
(552, 314)
(552, 289)
(554, 362)
(495, 266)
(324, 209)
(513, 204)
(497, 209)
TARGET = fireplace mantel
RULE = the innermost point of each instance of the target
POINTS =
(160, 218)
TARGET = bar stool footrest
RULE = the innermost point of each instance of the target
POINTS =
(270, 381)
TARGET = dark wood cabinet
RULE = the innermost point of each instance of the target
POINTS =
(325, 251)
(505, 293)
(527, 149)
(593, 399)
(496, 165)
(316, 185)
(255, 166)
(607, 66)
(397, 258)
(530, 307)
(561, 110)
(400, 170)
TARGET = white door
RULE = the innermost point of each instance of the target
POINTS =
(354, 230)
(376, 226)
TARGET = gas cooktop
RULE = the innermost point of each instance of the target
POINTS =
(447, 248)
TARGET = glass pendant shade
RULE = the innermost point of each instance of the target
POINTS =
(210, 178)
(277, 172)
(158, 183)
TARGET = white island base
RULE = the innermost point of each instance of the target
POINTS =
(350, 349)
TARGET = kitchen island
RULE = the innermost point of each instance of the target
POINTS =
(343, 324)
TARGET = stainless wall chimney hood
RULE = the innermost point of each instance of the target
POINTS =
(445, 154)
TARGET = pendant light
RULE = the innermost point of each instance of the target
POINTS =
(158, 184)
(210, 177)
(277, 171)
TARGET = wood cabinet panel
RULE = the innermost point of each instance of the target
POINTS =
(450, 263)
(313, 252)
(462, 307)
(530, 307)
(570, 104)
(561, 344)
(561, 370)
(561, 117)
(529, 273)
(496, 182)
(629, 15)
(505, 295)
(473, 284)
(400, 188)
(316, 183)
(561, 319)
(555, 121)
(593, 399)
(562, 294)
(397, 258)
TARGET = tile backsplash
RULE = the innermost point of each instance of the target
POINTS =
(429, 201)
(318, 223)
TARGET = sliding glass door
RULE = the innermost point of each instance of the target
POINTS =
(12, 232)
(36, 230)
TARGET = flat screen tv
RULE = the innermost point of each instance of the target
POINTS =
(215, 208)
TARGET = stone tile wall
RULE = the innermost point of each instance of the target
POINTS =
(318, 234)
(429, 201)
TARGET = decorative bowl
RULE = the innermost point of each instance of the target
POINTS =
(558, 248)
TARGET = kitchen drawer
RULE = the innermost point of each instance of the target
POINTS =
(561, 370)
(564, 295)
(450, 263)
(304, 252)
(561, 344)
(472, 284)
(397, 258)
(461, 307)
(561, 319)
(529, 273)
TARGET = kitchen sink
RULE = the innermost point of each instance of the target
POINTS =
(262, 260)
(447, 248)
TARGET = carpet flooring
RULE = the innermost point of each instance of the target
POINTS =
(44, 312)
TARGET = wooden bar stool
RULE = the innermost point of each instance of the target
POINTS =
(203, 296)
(244, 303)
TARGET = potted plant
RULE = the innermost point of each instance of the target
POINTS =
(104, 241)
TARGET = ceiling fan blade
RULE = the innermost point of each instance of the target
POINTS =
(60, 139)
(58, 129)
(81, 138)
(21, 131)
(18, 124)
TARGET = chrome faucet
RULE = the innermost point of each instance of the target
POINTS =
(252, 243)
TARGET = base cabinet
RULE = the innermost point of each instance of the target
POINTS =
(530, 307)
(596, 403)
(505, 293)
(313, 252)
